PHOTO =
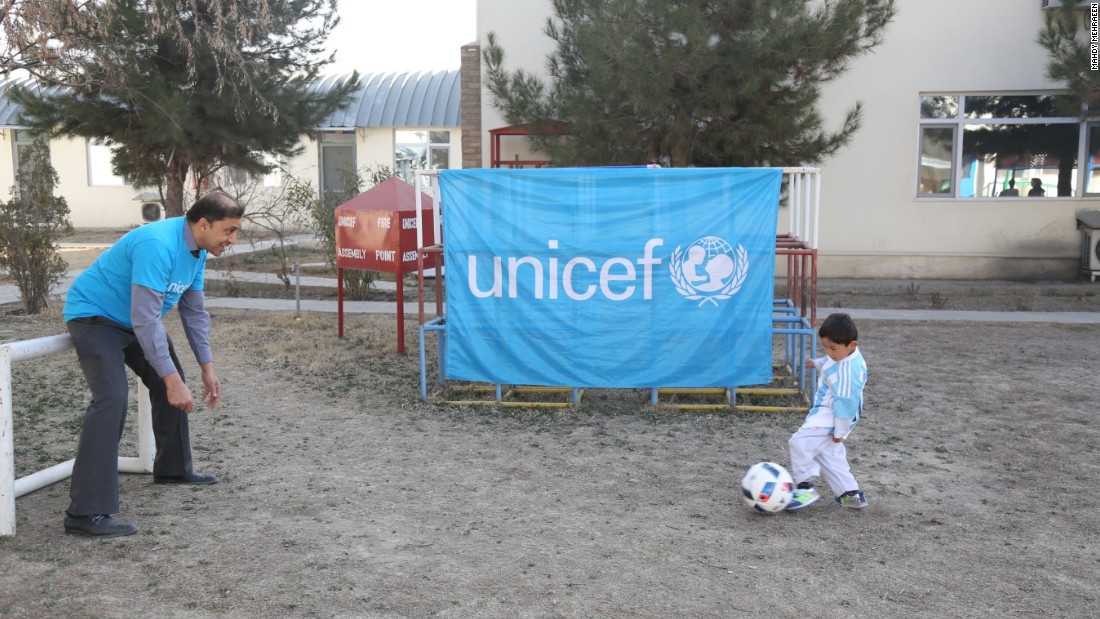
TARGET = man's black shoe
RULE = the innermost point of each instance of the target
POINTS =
(99, 525)
(194, 479)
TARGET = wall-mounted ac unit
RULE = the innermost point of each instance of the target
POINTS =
(1088, 222)
(151, 211)
(1090, 250)
(1050, 5)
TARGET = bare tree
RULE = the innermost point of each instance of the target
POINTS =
(270, 214)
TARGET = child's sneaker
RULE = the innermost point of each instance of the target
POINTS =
(804, 494)
(853, 499)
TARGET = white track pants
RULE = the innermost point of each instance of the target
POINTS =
(814, 455)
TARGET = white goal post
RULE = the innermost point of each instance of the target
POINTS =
(10, 487)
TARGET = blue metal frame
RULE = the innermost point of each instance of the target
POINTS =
(800, 339)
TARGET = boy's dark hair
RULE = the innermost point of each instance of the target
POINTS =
(839, 328)
(215, 206)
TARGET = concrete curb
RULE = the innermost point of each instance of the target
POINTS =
(1078, 318)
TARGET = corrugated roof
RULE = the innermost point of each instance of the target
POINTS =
(9, 110)
(413, 99)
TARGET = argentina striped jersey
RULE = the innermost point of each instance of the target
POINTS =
(838, 401)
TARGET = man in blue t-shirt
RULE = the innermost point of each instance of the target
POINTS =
(113, 312)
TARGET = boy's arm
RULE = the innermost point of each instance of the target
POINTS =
(842, 426)
(847, 400)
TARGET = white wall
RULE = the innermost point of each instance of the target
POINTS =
(872, 224)
(7, 170)
(518, 27)
(91, 207)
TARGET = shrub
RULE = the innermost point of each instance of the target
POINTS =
(30, 223)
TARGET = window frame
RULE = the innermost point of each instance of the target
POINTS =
(89, 143)
(231, 176)
(959, 122)
(430, 145)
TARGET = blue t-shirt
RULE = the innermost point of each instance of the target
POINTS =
(155, 256)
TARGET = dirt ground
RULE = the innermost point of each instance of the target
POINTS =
(344, 495)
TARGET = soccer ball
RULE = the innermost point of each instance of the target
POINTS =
(767, 487)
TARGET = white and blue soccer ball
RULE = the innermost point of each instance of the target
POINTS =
(767, 487)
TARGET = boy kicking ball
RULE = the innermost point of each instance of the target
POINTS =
(817, 448)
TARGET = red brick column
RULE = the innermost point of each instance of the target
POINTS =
(470, 105)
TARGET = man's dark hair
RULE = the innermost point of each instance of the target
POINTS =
(839, 328)
(215, 206)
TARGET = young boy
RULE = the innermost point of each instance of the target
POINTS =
(817, 448)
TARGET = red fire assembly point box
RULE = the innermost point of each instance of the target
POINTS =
(376, 231)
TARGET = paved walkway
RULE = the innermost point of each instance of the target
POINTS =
(1080, 318)
(10, 294)
(411, 308)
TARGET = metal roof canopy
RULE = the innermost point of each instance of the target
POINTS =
(411, 99)
(9, 110)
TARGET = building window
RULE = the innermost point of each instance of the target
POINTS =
(337, 152)
(237, 179)
(100, 171)
(985, 146)
(420, 150)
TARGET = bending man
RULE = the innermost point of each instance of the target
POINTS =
(113, 312)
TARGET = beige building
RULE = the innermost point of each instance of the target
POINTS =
(957, 105)
(402, 120)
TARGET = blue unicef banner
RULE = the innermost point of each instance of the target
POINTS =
(610, 277)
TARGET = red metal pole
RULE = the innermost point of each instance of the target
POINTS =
(805, 285)
(400, 306)
(813, 286)
(796, 280)
(790, 278)
(439, 282)
(339, 302)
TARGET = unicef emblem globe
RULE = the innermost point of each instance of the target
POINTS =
(709, 269)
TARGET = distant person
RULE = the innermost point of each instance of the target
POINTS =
(817, 448)
(1011, 191)
(114, 313)
(1036, 190)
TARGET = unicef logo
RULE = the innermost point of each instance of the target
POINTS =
(709, 270)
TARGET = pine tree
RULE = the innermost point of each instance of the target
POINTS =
(30, 223)
(1067, 44)
(689, 82)
(179, 87)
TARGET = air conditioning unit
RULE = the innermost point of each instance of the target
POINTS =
(1088, 222)
(1050, 5)
(151, 211)
(151, 207)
